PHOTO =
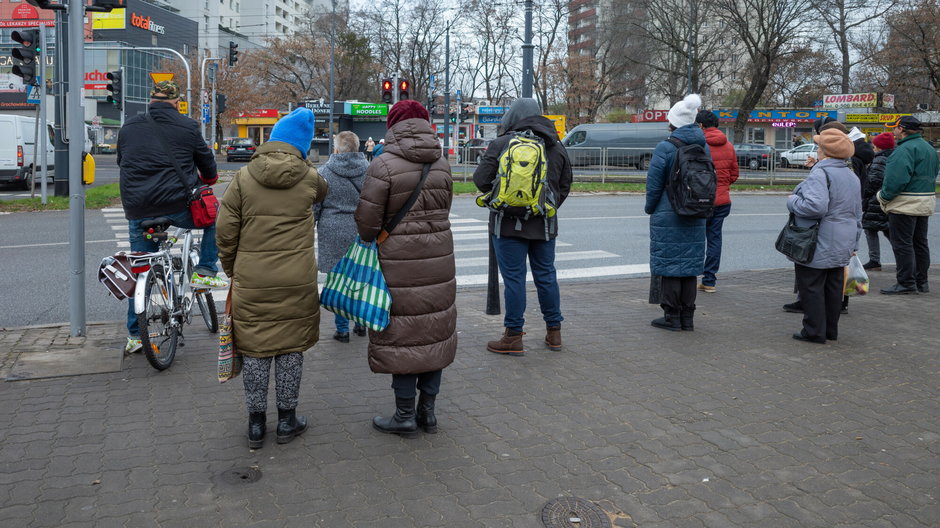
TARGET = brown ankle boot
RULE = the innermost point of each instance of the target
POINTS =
(553, 338)
(510, 344)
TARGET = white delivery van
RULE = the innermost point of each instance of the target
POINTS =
(17, 145)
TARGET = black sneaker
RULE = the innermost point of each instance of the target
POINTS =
(794, 307)
(359, 330)
(923, 288)
(342, 337)
(871, 265)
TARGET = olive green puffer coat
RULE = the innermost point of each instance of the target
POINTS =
(265, 237)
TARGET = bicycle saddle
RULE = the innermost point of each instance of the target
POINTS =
(159, 224)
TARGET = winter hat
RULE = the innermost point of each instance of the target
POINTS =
(855, 134)
(834, 125)
(835, 144)
(884, 141)
(818, 124)
(683, 112)
(296, 128)
(706, 118)
(165, 90)
(407, 109)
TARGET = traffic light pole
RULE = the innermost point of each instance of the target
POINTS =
(447, 91)
(76, 128)
(43, 137)
(60, 89)
(394, 88)
(213, 68)
(202, 90)
(123, 94)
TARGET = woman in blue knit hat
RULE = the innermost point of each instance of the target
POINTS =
(265, 245)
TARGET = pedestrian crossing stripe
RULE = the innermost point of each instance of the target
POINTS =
(629, 270)
(559, 257)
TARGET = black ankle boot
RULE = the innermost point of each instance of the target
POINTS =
(425, 414)
(685, 319)
(402, 422)
(289, 425)
(669, 321)
(257, 422)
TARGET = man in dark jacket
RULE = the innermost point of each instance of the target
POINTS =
(908, 196)
(515, 237)
(151, 187)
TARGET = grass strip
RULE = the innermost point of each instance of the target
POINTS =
(95, 198)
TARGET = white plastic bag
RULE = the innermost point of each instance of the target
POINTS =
(856, 279)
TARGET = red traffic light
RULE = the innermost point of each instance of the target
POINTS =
(404, 85)
(386, 84)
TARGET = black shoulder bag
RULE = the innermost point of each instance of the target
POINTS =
(203, 205)
(799, 243)
(393, 223)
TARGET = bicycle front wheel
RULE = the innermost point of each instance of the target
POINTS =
(209, 313)
(158, 334)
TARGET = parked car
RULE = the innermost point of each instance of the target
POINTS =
(755, 156)
(472, 151)
(614, 143)
(240, 149)
(796, 156)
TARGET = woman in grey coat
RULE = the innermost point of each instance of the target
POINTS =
(830, 195)
(336, 226)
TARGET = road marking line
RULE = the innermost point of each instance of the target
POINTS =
(466, 221)
(575, 273)
(559, 257)
(647, 216)
(480, 227)
(485, 247)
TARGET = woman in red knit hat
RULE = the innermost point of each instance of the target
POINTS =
(875, 220)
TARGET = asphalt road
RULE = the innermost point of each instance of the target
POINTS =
(600, 236)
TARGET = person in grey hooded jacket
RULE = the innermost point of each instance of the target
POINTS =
(830, 195)
(336, 226)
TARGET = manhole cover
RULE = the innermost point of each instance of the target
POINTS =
(241, 475)
(573, 512)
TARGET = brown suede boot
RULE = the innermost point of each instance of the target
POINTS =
(553, 338)
(510, 344)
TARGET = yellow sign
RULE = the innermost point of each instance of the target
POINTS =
(873, 118)
(115, 19)
(559, 121)
(184, 107)
(160, 77)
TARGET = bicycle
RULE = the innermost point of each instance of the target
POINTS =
(163, 297)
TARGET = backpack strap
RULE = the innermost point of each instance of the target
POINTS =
(676, 141)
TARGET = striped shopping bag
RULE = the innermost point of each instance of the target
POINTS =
(355, 288)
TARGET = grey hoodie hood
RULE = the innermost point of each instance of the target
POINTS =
(347, 164)
(520, 109)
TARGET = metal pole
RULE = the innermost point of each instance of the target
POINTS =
(332, 81)
(42, 140)
(689, 51)
(36, 144)
(527, 50)
(202, 92)
(76, 128)
(123, 108)
(212, 73)
(446, 91)
(61, 87)
(395, 89)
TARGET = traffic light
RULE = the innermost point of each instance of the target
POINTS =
(403, 87)
(116, 86)
(232, 53)
(387, 91)
(219, 103)
(464, 113)
(453, 117)
(24, 57)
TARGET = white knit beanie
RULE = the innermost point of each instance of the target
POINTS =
(683, 112)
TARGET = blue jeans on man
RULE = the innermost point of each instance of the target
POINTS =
(511, 254)
(208, 253)
(713, 248)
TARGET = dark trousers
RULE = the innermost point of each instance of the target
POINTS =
(908, 235)
(713, 248)
(820, 292)
(678, 294)
(407, 385)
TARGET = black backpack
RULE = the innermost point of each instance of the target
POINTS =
(692, 182)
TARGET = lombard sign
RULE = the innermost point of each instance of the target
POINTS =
(853, 100)
(650, 116)
(367, 109)
(778, 115)
(491, 110)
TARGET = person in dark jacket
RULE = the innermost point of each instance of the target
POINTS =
(874, 219)
(516, 238)
(726, 171)
(677, 243)
(266, 247)
(417, 261)
(151, 187)
(336, 227)
(830, 196)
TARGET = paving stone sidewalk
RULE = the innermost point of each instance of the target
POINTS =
(734, 424)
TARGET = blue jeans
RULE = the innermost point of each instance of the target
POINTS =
(208, 253)
(713, 249)
(511, 256)
(342, 324)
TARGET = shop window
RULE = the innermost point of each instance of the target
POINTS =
(755, 135)
(783, 138)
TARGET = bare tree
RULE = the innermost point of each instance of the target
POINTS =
(766, 30)
(844, 18)
(912, 53)
(550, 27)
(799, 77)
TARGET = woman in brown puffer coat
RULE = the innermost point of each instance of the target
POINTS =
(265, 238)
(417, 260)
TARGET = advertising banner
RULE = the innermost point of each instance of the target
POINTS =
(491, 110)
(873, 118)
(367, 109)
(853, 100)
(778, 115)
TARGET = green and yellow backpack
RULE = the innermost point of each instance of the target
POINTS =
(521, 184)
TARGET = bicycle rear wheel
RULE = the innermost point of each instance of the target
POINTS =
(158, 334)
(209, 313)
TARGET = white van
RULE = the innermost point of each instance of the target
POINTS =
(17, 145)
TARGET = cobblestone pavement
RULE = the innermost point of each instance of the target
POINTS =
(734, 424)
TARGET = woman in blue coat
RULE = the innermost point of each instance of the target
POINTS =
(677, 243)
